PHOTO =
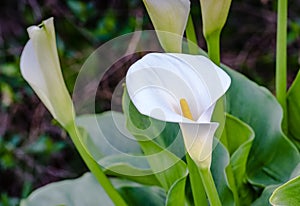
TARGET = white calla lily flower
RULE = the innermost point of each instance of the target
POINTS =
(159, 82)
(40, 67)
(169, 16)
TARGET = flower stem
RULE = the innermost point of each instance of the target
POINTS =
(209, 187)
(229, 172)
(93, 166)
(281, 58)
(205, 178)
(213, 47)
(196, 183)
(191, 36)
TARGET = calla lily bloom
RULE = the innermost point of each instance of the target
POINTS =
(40, 67)
(169, 16)
(168, 86)
(214, 15)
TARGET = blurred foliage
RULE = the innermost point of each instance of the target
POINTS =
(33, 149)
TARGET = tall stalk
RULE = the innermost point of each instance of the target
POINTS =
(206, 179)
(213, 47)
(196, 183)
(281, 58)
(191, 36)
(94, 167)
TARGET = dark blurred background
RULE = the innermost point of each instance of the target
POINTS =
(34, 150)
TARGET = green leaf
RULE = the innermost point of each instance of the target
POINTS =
(236, 134)
(86, 191)
(115, 148)
(154, 136)
(296, 171)
(257, 107)
(287, 194)
(107, 135)
(220, 161)
(238, 138)
(293, 109)
(129, 167)
(268, 191)
(173, 199)
(263, 199)
(82, 191)
(136, 194)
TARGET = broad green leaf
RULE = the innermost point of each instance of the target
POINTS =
(220, 161)
(133, 168)
(137, 194)
(167, 167)
(267, 192)
(236, 134)
(81, 191)
(115, 149)
(287, 194)
(85, 190)
(237, 138)
(173, 199)
(273, 156)
(293, 109)
(263, 199)
(107, 134)
(296, 172)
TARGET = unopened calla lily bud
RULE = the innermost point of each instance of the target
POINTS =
(214, 15)
(169, 16)
(40, 67)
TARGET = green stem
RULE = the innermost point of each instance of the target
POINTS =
(209, 186)
(93, 166)
(229, 172)
(202, 177)
(191, 36)
(281, 58)
(196, 183)
(213, 47)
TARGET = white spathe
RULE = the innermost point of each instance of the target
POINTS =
(169, 18)
(158, 81)
(214, 15)
(40, 67)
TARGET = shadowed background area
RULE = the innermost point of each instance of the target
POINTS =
(33, 149)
